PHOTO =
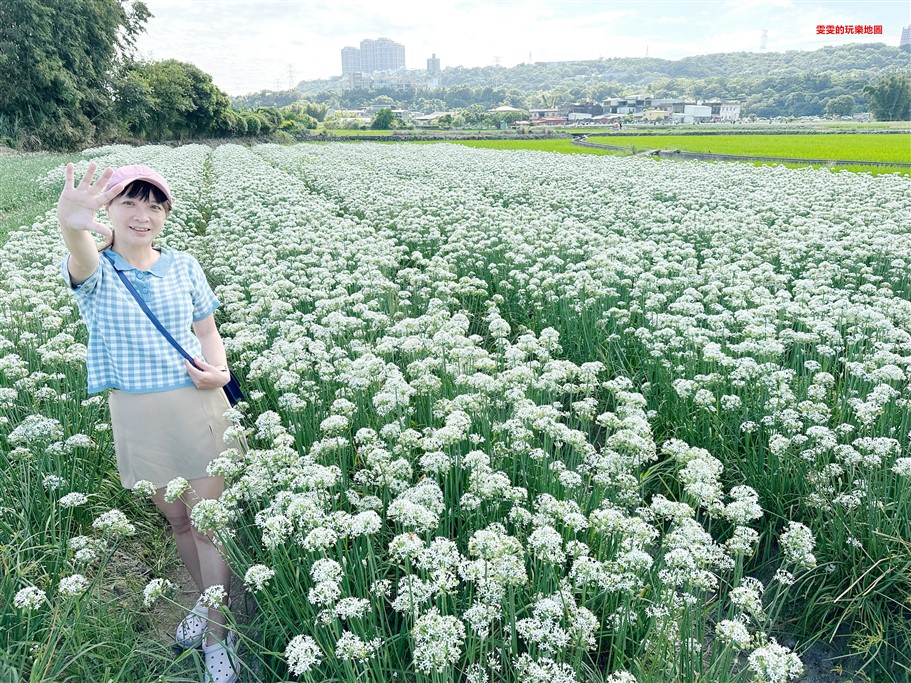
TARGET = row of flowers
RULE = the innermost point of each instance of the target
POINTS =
(451, 474)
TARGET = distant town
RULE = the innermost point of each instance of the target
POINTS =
(379, 65)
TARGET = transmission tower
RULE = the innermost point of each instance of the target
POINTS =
(764, 40)
(290, 77)
(496, 61)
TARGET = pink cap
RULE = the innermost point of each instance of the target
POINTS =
(127, 174)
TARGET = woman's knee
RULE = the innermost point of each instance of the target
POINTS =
(176, 513)
(180, 524)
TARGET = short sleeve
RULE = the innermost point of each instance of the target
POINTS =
(86, 288)
(204, 300)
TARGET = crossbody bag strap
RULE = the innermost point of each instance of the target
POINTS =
(148, 312)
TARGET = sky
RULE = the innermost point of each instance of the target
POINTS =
(251, 46)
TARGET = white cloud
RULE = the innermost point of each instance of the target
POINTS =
(248, 46)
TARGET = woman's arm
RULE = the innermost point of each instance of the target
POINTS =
(210, 376)
(76, 211)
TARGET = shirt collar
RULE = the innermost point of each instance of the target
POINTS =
(159, 268)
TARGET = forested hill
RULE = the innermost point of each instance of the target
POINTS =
(870, 60)
(766, 84)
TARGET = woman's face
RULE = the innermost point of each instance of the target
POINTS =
(136, 221)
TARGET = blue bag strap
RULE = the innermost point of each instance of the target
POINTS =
(148, 312)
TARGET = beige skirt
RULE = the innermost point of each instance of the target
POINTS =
(162, 435)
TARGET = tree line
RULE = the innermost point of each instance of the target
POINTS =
(70, 80)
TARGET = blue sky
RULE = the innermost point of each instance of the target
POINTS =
(250, 46)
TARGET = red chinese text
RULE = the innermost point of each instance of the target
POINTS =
(849, 29)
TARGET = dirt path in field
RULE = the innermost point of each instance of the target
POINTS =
(165, 616)
(823, 666)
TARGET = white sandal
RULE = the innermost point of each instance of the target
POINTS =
(221, 661)
(192, 630)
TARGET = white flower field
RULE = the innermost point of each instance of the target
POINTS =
(512, 416)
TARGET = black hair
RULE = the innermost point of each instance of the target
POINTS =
(142, 190)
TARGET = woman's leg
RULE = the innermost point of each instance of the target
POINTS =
(212, 565)
(178, 516)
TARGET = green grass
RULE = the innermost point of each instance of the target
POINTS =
(566, 147)
(849, 146)
(21, 200)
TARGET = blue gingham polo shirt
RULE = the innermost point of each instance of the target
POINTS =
(126, 351)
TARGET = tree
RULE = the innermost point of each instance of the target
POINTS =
(843, 105)
(270, 119)
(890, 98)
(474, 114)
(384, 100)
(172, 99)
(383, 119)
(56, 59)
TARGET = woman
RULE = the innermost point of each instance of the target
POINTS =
(166, 414)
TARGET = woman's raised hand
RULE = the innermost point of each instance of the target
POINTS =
(78, 204)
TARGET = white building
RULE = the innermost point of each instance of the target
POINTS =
(381, 54)
(351, 60)
(730, 112)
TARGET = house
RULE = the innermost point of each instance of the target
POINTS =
(431, 119)
(724, 111)
(590, 108)
(543, 113)
(549, 121)
(693, 113)
(606, 119)
(401, 114)
(680, 110)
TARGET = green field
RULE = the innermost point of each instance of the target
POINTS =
(849, 147)
(566, 147)
(21, 199)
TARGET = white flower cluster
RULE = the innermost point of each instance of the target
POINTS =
(774, 663)
(155, 589)
(302, 654)
(797, 543)
(257, 577)
(558, 623)
(114, 524)
(437, 641)
(29, 599)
